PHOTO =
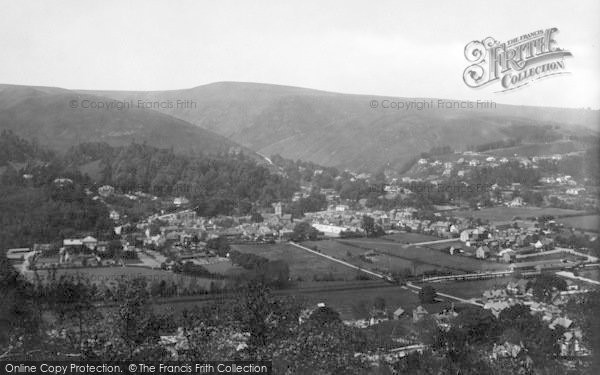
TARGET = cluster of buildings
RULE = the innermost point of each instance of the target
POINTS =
(516, 292)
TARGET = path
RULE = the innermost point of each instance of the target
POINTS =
(559, 250)
(570, 275)
(446, 240)
(471, 302)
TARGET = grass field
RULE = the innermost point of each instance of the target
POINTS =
(381, 262)
(222, 267)
(303, 265)
(509, 213)
(439, 259)
(410, 237)
(587, 222)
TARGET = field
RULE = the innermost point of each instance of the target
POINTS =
(587, 222)
(410, 237)
(304, 266)
(509, 213)
(356, 304)
(107, 276)
(593, 274)
(223, 267)
(379, 263)
(422, 255)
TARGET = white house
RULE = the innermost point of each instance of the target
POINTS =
(329, 230)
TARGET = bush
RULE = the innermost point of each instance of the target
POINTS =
(427, 294)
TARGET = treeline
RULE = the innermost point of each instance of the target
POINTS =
(34, 208)
(532, 133)
(221, 184)
(503, 143)
(580, 167)
(505, 175)
(15, 149)
(275, 273)
(437, 150)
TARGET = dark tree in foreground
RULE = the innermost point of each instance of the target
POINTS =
(545, 285)
(427, 294)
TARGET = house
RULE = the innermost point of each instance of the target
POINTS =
(114, 215)
(495, 294)
(482, 252)
(506, 255)
(465, 235)
(562, 321)
(496, 307)
(17, 254)
(72, 242)
(548, 243)
(329, 230)
(180, 201)
(398, 313)
(506, 350)
(89, 242)
(106, 191)
(419, 313)
(516, 202)
(517, 287)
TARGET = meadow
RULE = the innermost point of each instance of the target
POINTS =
(304, 266)
(586, 222)
(439, 259)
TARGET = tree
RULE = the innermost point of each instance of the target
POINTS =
(220, 245)
(427, 294)
(72, 299)
(379, 303)
(478, 324)
(325, 315)
(368, 225)
(136, 323)
(545, 285)
(256, 217)
(304, 231)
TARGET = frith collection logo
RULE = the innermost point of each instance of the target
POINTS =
(514, 63)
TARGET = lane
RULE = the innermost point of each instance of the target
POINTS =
(387, 242)
(411, 285)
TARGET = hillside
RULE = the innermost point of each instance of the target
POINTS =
(46, 114)
(342, 130)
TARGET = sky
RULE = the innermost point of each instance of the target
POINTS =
(388, 48)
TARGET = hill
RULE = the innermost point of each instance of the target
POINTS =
(48, 115)
(343, 130)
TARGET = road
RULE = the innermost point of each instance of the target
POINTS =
(448, 296)
(570, 275)
(559, 250)
(446, 240)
